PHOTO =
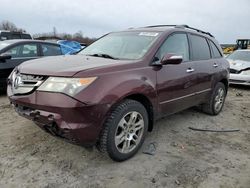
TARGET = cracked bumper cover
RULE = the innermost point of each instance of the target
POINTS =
(62, 115)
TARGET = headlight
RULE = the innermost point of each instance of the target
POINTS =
(69, 86)
(247, 72)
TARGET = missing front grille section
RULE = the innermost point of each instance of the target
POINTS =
(233, 71)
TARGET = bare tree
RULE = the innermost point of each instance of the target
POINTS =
(7, 25)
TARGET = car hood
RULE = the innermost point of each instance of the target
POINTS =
(239, 65)
(67, 65)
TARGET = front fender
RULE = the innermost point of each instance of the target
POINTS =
(113, 87)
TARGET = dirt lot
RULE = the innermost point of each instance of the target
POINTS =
(30, 157)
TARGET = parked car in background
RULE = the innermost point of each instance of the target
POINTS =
(70, 47)
(8, 35)
(239, 67)
(15, 52)
(111, 93)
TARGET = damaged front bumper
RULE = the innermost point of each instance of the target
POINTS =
(239, 79)
(61, 115)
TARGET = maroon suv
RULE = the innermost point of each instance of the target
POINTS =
(111, 93)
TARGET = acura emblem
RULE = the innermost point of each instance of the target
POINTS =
(17, 81)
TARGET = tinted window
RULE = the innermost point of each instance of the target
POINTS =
(216, 52)
(15, 36)
(25, 36)
(26, 50)
(5, 36)
(175, 44)
(51, 50)
(200, 48)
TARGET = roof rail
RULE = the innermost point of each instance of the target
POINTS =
(182, 26)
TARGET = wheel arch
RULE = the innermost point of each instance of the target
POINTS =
(225, 82)
(145, 101)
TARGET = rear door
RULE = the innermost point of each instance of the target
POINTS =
(175, 83)
(203, 64)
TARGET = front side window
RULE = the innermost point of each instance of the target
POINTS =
(51, 50)
(200, 48)
(175, 44)
(123, 45)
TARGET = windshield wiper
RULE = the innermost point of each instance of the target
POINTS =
(103, 55)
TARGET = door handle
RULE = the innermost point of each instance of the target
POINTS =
(215, 65)
(189, 70)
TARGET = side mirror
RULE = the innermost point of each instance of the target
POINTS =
(171, 59)
(3, 58)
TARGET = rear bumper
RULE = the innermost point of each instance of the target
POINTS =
(62, 116)
(239, 79)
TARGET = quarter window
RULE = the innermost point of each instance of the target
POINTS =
(200, 48)
(216, 52)
(176, 44)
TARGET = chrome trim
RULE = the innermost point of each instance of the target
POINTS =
(189, 95)
(176, 57)
(215, 65)
(22, 83)
(189, 70)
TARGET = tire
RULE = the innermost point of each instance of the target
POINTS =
(125, 126)
(216, 101)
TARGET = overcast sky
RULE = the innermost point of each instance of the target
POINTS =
(226, 19)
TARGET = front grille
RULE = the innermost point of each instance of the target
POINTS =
(25, 83)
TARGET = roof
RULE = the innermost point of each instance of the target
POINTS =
(162, 28)
(26, 40)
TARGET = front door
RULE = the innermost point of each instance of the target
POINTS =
(176, 83)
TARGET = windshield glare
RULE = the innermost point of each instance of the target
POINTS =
(123, 45)
(240, 55)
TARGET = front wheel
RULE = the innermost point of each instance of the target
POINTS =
(124, 130)
(216, 101)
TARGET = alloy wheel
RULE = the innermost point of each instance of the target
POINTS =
(219, 99)
(129, 132)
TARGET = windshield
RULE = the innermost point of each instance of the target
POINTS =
(240, 55)
(123, 45)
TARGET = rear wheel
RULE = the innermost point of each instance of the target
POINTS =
(216, 101)
(124, 130)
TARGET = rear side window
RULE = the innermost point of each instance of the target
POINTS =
(175, 44)
(200, 48)
(216, 53)
(51, 50)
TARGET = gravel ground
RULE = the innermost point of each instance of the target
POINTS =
(30, 157)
